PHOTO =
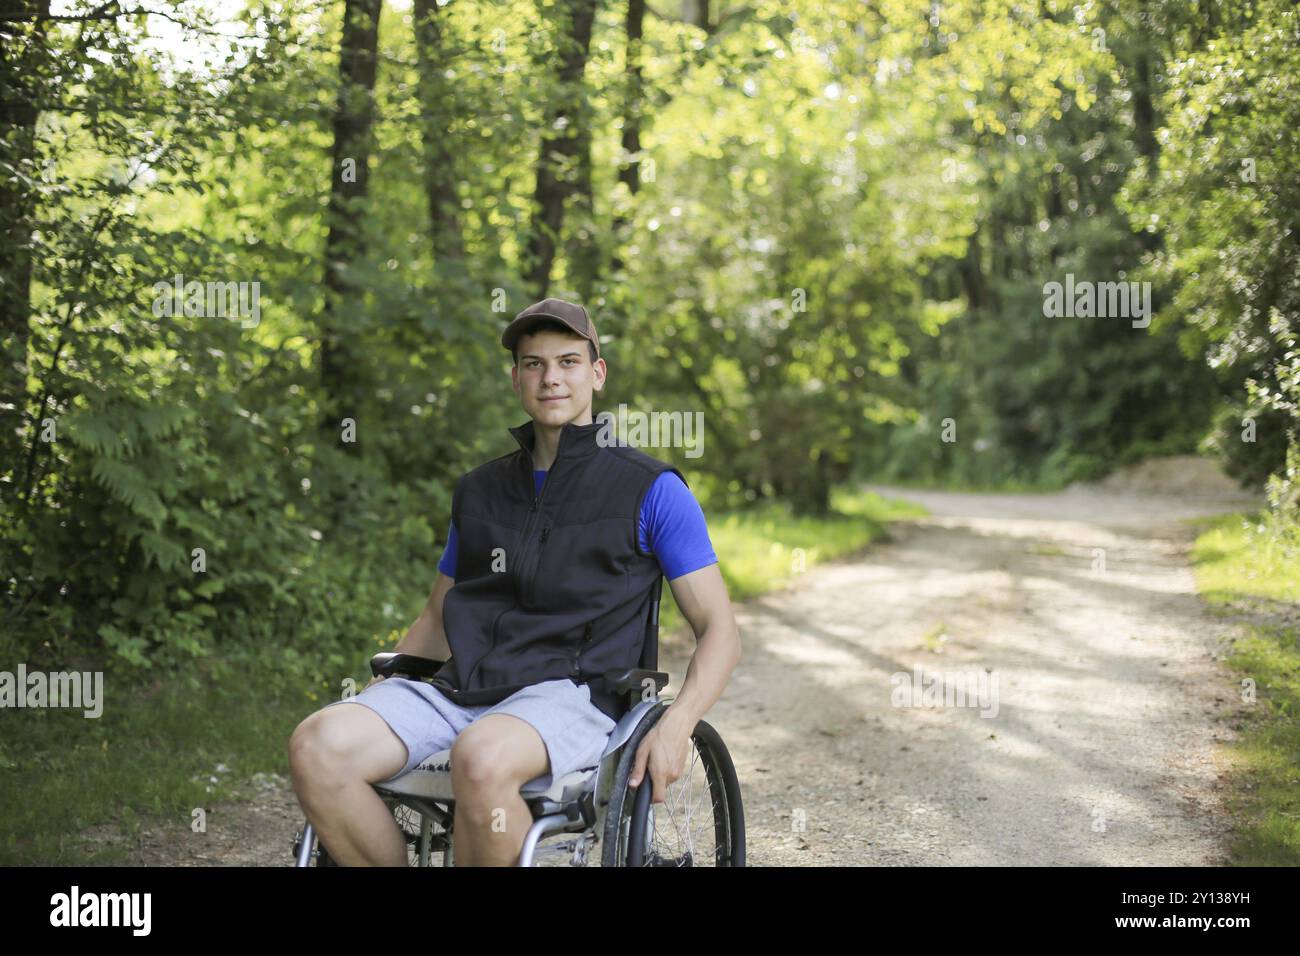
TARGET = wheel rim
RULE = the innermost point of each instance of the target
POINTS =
(691, 827)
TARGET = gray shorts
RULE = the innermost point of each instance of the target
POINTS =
(574, 730)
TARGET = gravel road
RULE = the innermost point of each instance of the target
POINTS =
(1112, 698)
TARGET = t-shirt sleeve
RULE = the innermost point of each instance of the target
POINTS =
(448, 563)
(672, 527)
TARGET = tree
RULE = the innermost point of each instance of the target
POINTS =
(349, 185)
(439, 158)
(24, 62)
(1225, 199)
(561, 170)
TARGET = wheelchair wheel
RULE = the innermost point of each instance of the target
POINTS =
(701, 821)
(434, 846)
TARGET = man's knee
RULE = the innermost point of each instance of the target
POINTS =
(314, 755)
(338, 745)
(491, 755)
(476, 759)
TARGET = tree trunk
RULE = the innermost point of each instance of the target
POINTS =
(584, 244)
(562, 140)
(1144, 130)
(349, 182)
(812, 496)
(1144, 112)
(696, 12)
(629, 172)
(435, 122)
(972, 273)
(17, 207)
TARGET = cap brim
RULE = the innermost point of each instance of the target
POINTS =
(517, 329)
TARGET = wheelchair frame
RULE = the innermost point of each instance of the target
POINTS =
(576, 803)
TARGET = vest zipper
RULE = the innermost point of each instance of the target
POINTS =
(529, 587)
(537, 566)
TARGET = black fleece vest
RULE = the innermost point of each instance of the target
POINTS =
(549, 585)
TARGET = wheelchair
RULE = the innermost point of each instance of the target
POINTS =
(590, 815)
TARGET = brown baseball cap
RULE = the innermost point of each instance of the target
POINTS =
(570, 313)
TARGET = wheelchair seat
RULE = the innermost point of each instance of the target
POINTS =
(570, 796)
(432, 781)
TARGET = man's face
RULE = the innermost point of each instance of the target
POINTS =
(555, 379)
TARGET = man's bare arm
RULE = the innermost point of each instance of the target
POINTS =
(702, 597)
(426, 637)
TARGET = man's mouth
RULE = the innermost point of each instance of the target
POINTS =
(554, 398)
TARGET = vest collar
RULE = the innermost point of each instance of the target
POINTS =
(576, 441)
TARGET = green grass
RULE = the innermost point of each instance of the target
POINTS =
(934, 639)
(152, 756)
(1047, 550)
(1236, 562)
(1252, 576)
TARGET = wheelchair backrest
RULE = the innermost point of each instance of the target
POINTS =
(650, 647)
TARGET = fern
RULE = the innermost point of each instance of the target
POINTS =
(95, 431)
(162, 551)
(131, 487)
(161, 419)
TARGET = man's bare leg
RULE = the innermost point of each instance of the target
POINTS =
(490, 760)
(334, 756)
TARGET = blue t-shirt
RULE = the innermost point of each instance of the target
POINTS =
(671, 526)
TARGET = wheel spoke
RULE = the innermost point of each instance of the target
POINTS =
(680, 806)
(689, 804)
(670, 802)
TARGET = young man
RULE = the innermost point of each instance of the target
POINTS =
(543, 587)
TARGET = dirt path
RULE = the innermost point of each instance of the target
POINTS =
(1111, 699)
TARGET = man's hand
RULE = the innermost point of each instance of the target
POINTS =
(664, 750)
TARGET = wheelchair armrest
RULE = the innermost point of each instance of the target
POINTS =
(390, 663)
(631, 680)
